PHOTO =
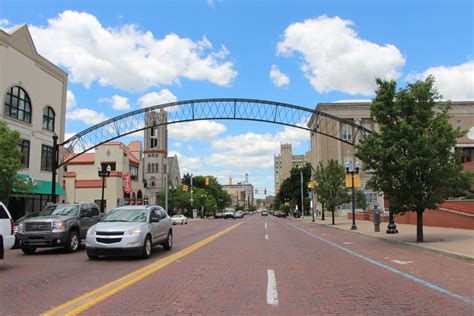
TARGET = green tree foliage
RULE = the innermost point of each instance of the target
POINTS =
(290, 189)
(330, 189)
(10, 162)
(360, 199)
(412, 156)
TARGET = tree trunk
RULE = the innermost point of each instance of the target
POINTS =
(419, 225)
(333, 220)
(322, 218)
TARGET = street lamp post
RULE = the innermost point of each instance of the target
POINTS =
(352, 173)
(103, 173)
(301, 189)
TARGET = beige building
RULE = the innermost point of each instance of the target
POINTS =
(324, 148)
(83, 184)
(34, 104)
(284, 162)
(241, 194)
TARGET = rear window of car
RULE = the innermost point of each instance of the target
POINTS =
(3, 213)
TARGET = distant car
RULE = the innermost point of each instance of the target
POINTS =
(7, 237)
(179, 219)
(280, 214)
(130, 230)
(219, 215)
(239, 214)
(229, 213)
(264, 213)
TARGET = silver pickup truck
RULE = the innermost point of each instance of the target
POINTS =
(61, 225)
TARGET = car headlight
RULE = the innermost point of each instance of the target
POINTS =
(134, 232)
(59, 225)
(91, 230)
(21, 227)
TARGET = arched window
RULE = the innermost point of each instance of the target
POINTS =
(48, 118)
(18, 105)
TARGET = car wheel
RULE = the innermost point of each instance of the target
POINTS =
(28, 250)
(146, 252)
(182, 222)
(73, 242)
(92, 257)
(169, 241)
(186, 222)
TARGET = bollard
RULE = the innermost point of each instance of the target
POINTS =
(376, 219)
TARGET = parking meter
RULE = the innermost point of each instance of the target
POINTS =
(376, 219)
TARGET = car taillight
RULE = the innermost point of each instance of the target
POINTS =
(13, 226)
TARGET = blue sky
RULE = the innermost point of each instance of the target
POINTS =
(122, 55)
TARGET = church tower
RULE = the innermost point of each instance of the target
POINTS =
(155, 153)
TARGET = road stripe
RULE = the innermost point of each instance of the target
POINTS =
(93, 297)
(389, 268)
(272, 293)
(265, 225)
(266, 236)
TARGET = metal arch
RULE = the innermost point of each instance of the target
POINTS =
(207, 109)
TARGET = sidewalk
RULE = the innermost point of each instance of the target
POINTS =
(449, 241)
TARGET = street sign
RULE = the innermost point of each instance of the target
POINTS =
(310, 195)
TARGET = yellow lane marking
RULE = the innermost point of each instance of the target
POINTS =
(93, 297)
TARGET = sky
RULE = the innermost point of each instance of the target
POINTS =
(125, 55)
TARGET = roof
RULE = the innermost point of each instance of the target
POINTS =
(89, 158)
(135, 145)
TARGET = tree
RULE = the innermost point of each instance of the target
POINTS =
(290, 188)
(412, 156)
(10, 162)
(360, 199)
(330, 188)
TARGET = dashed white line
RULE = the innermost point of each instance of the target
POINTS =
(265, 225)
(272, 293)
(401, 262)
(266, 236)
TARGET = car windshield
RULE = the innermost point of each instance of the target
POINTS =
(48, 210)
(64, 210)
(126, 215)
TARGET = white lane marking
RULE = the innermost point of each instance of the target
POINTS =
(348, 243)
(272, 293)
(402, 262)
(265, 225)
(389, 268)
(197, 227)
(266, 236)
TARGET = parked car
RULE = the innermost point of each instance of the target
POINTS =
(7, 236)
(239, 214)
(229, 213)
(61, 225)
(219, 215)
(264, 213)
(130, 230)
(280, 214)
(179, 219)
(17, 223)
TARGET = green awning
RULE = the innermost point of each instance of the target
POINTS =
(40, 186)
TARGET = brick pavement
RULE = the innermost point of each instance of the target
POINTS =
(32, 284)
(228, 276)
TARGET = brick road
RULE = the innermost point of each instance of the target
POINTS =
(229, 275)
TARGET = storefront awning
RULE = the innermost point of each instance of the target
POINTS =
(40, 186)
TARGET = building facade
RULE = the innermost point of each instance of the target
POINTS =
(241, 194)
(324, 148)
(34, 104)
(284, 162)
(124, 185)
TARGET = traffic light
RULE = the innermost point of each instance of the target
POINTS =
(207, 180)
(185, 188)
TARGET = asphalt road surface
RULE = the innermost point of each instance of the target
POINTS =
(255, 265)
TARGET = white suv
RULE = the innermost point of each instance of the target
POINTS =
(7, 236)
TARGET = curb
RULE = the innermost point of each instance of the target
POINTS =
(447, 253)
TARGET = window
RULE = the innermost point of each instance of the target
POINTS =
(458, 125)
(46, 158)
(94, 210)
(371, 198)
(134, 172)
(154, 215)
(348, 162)
(347, 132)
(48, 118)
(18, 105)
(24, 146)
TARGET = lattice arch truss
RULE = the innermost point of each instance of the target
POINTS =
(206, 109)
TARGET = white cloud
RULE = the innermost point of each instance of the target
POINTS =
(455, 83)
(335, 58)
(188, 164)
(197, 130)
(154, 98)
(4, 22)
(86, 116)
(70, 100)
(127, 57)
(118, 102)
(211, 3)
(177, 144)
(279, 79)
